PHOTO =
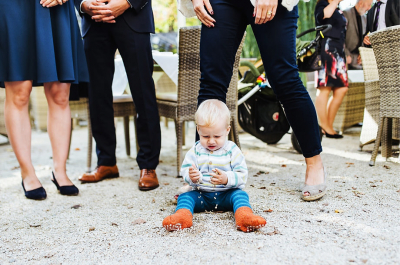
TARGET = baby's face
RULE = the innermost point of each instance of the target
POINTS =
(213, 137)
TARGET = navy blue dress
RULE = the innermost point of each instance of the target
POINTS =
(40, 44)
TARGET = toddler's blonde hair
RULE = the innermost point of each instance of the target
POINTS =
(211, 112)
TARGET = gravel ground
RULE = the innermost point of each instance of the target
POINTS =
(357, 222)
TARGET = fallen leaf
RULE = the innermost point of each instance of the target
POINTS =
(373, 186)
(338, 211)
(255, 175)
(166, 184)
(164, 174)
(371, 182)
(251, 185)
(160, 161)
(262, 188)
(114, 224)
(77, 149)
(325, 204)
(92, 228)
(76, 206)
(272, 184)
(154, 200)
(14, 168)
(349, 163)
(398, 191)
(138, 221)
(35, 225)
(283, 165)
(386, 166)
(260, 172)
(353, 188)
(268, 211)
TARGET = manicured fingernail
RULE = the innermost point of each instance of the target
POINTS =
(212, 12)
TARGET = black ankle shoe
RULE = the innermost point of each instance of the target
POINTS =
(36, 194)
(71, 190)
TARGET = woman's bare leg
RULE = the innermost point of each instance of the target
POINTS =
(19, 129)
(321, 106)
(334, 104)
(59, 127)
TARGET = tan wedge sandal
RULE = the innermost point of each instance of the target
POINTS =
(316, 191)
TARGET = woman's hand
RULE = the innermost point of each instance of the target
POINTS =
(264, 11)
(200, 9)
(51, 3)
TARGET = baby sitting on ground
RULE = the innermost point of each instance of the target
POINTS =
(216, 170)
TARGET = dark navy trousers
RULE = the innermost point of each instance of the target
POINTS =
(277, 43)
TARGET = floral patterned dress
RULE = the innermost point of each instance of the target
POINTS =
(334, 73)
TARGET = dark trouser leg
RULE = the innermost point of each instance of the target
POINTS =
(218, 48)
(100, 50)
(136, 53)
(277, 42)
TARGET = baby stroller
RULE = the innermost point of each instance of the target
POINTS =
(259, 111)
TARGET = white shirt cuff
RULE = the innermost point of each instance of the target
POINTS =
(80, 6)
(129, 2)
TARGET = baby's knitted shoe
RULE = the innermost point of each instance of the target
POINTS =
(247, 221)
(179, 220)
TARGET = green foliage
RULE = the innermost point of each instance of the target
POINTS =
(165, 16)
(250, 47)
(306, 18)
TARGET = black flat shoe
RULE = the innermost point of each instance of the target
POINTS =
(334, 136)
(36, 194)
(71, 190)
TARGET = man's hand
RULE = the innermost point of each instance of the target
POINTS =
(97, 15)
(117, 8)
(200, 9)
(51, 3)
(264, 11)
(366, 40)
(359, 61)
(219, 177)
(194, 174)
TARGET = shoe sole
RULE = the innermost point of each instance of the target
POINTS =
(113, 176)
(146, 189)
(315, 197)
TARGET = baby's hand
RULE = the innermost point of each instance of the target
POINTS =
(219, 177)
(194, 174)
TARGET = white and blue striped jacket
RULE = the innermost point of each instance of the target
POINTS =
(229, 158)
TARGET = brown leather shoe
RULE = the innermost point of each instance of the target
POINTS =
(148, 179)
(102, 172)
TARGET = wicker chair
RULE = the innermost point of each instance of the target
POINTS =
(352, 108)
(386, 46)
(184, 107)
(3, 130)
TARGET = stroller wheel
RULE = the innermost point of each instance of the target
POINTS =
(296, 144)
